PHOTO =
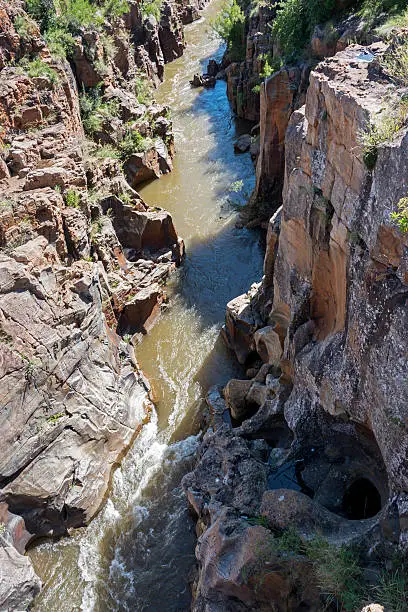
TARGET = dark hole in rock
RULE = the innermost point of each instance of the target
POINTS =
(250, 411)
(279, 436)
(361, 500)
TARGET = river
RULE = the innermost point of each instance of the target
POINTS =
(138, 554)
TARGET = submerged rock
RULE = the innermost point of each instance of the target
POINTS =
(203, 80)
(243, 143)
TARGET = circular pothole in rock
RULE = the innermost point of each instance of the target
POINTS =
(361, 500)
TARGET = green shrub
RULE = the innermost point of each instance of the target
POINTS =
(54, 418)
(60, 42)
(76, 14)
(24, 27)
(38, 68)
(151, 8)
(94, 111)
(72, 198)
(143, 89)
(401, 217)
(295, 20)
(43, 11)
(115, 8)
(385, 130)
(230, 26)
(372, 9)
(395, 63)
(133, 142)
(72, 16)
(338, 574)
(106, 151)
(397, 20)
(392, 590)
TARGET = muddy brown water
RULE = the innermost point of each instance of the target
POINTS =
(138, 553)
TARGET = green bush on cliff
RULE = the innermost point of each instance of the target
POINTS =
(60, 42)
(24, 27)
(133, 142)
(151, 8)
(386, 128)
(392, 590)
(43, 11)
(38, 68)
(400, 217)
(60, 20)
(395, 63)
(295, 20)
(230, 26)
(142, 88)
(338, 574)
(95, 111)
(372, 9)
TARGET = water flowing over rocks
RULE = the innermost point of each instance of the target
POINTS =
(83, 265)
(316, 437)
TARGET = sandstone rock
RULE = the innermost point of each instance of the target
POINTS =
(218, 407)
(203, 80)
(18, 581)
(140, 313)
(213, 68)
(243, 78)
(72, 398)
(242, 320)
(283, 508)
(254, 575)
(334, 300)
(171, 34)
(18, 584)
(141, 167)
(268, 345)
(236, 393)
(281, 94)
(226, 475)
(324, 41)
(4, 171)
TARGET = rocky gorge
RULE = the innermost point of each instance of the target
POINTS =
(302, 471)
(83, 265)
(306, 458)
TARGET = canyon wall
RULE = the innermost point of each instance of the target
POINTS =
(315, 438)
(83, 264)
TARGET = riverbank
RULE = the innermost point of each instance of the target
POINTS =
(140, 550)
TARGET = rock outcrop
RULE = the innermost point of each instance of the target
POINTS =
(79, 250)
(318, 437)
(18, 582)
(83, 264)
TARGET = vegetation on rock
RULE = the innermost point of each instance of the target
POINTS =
(401, 216)
(386, 129)
(230, 26)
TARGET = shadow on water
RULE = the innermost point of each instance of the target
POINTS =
(149, 555)
(138, 554)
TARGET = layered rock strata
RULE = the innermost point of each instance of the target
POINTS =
(316, 438)
(83, 264)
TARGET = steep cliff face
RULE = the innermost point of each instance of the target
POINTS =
(83, 264)
(318, 439)
(243, 78)
(261, 91)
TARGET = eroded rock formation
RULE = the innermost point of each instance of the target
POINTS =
(316, 438)
(83, 264)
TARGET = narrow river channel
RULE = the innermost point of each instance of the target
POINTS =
(138, 554)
